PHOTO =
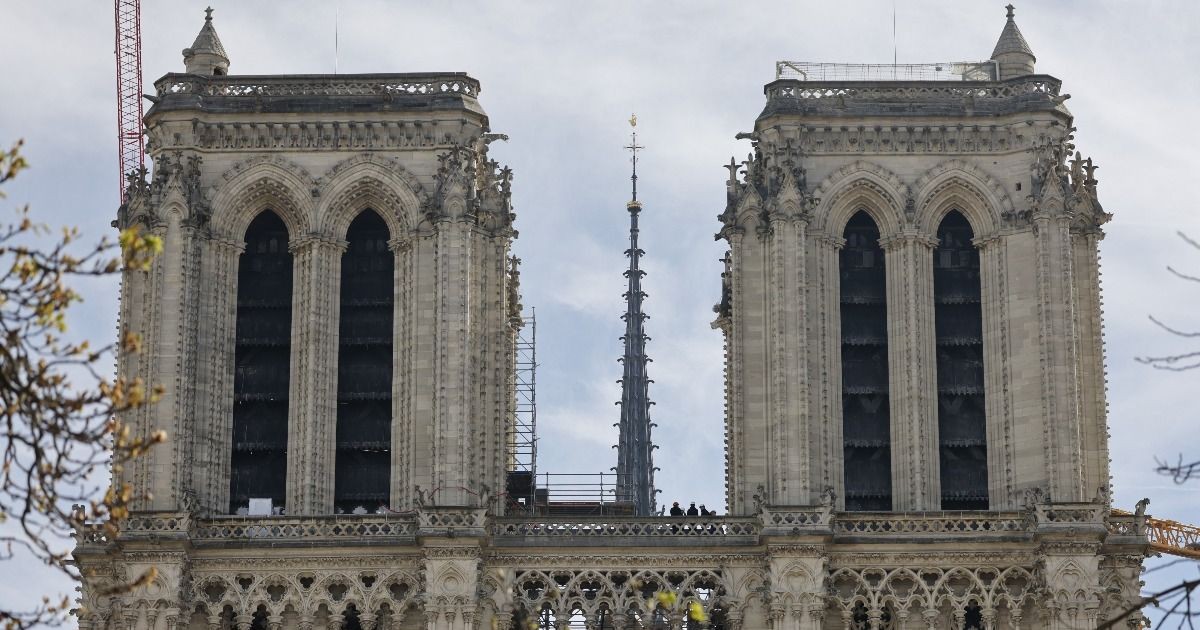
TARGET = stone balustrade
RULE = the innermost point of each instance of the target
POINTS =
(352, 529)
(914, 99)
(660, 530)
(252, 86)
(910, 91)
(940, 524)
(656, 530)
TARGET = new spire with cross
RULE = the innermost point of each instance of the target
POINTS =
(633, 148)
(635, 458)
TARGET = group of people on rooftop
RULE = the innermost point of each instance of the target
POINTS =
(691, 511)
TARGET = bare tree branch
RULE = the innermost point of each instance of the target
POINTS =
(1185, 361)
(1179, 472)
(1177, 595)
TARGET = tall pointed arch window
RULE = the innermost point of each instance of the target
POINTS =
(958, 320)
(866, 426)
(364, 392)
(262, 366)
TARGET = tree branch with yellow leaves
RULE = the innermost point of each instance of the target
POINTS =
(59, 410)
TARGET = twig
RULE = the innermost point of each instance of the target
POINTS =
(1185, 587)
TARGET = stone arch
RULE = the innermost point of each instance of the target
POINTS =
(748, 209)
(369, 181)
(861, 185)
(451, 581)
(256, 185)
(962, 186)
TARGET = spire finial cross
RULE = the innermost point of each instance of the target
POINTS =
(1011, 10)
(633, 147)
(208, 14)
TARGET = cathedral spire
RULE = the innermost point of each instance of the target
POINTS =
(206, 55)
(1012, 53)
(635, 459)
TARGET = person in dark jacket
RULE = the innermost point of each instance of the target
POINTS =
(704, 511)
(676, 510)
(692, 511)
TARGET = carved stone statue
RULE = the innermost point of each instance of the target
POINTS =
(760, 499)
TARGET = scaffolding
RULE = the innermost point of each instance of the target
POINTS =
(522, 434)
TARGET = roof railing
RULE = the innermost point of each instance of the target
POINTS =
(256, 86)
(946, 71)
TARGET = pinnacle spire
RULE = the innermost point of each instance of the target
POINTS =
(206, 55)
(635, 459)
(1012, 52)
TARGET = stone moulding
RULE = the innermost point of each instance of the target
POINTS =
(307, 135)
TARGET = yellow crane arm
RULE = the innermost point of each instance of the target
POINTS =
(1171, 537)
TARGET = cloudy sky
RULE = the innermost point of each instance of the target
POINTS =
(561, 79)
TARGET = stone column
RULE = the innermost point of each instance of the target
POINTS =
(788, 422)
(777, 616)
(1057, 334)
(815, 619)
(216, 341)
(737, 494)
(997, 373)
(169, 361)
(404, 350)
(826, 320)
(912, 372)
(748, 373)
(143, 471)
(312, 395)
(452, 359)
(1093, 409)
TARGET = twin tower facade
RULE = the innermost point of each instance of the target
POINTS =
(915, 390)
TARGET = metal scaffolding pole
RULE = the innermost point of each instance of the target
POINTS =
(522, 435)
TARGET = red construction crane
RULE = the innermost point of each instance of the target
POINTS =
(130, 144)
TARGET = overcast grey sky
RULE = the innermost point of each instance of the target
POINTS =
(561, 78)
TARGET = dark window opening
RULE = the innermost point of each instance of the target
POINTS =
(350, 618)
(973, 619)
(364, 397)
(958, 322)
(866, 424)
(262, 364)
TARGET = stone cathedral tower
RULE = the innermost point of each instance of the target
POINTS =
(916, 431)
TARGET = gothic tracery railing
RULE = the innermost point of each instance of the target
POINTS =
(914, 90)
(417, 84)
(266, 529)
(724, 527)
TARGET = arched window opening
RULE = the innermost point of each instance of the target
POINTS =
(364, 392)
(262, 367)
(958, 320)
(866, 425)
